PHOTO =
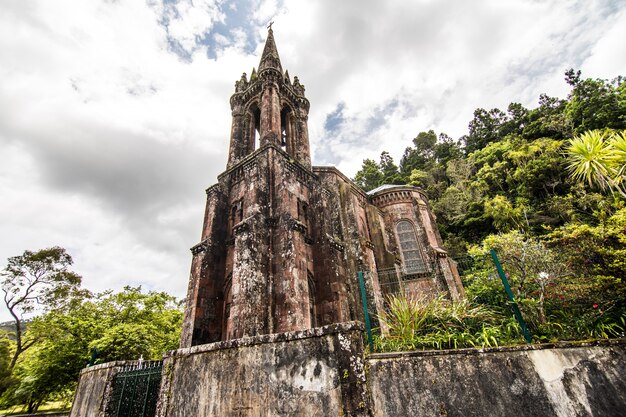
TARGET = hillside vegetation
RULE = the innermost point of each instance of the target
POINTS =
(546, 188)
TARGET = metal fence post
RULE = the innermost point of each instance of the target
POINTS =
(509, 293)
(368, 324)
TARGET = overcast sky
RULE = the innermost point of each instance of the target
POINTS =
(115, 117)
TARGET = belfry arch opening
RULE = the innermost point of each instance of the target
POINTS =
(254, 115)
(286, 131)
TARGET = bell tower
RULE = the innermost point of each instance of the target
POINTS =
(269, 109)
(251, 273)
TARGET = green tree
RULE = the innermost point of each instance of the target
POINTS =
(530, 266)
(114, 326)
(389, 170)
(595, 103)
(484, 129)
(372, 174)
(369, 176)
(137, 325)
(420, 155)
(446, 149)
(6, 354)
(35, 280)
(594, 296)
(598, 157)
(549, 120)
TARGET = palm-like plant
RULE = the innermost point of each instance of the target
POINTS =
(619, 145)
(598, 157)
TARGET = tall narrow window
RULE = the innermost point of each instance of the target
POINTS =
(311, 298)
(285, 131)
(412, 254)
(255, 128)
(228, 299)
(236, 212)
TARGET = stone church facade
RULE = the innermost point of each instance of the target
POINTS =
(283, 241)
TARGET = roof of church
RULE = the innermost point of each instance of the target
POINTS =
(270, 58)
(384, 187)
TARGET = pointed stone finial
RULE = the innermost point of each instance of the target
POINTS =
(241, 84)
(270, 58)
(299, 88)
(287, 79)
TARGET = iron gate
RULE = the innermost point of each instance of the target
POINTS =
(136, 390)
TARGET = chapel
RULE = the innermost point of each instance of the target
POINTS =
(283, 241)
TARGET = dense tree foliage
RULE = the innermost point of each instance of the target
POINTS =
(509, 172)
(100, 328)
(546, 188)
(38, 280)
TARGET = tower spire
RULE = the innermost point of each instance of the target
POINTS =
(270, 58)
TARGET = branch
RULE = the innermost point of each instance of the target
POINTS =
(29, 343)
(27, 292)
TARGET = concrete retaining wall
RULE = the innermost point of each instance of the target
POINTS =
(94, 389)
(316, 372)
(565, 380)
(322, 372)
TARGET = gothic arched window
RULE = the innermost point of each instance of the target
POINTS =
(412, 253)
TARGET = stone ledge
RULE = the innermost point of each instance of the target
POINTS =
(107, 365)
(478, 351)
(269, 338)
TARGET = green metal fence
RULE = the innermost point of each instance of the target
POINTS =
(136, 390)
(407, 280)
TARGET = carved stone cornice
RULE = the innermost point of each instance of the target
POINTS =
(241, 227)
(338, 246)
(297, 226)
(200, 247)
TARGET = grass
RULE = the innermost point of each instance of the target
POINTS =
(49, 407)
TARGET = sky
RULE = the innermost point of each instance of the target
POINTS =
(115, 116)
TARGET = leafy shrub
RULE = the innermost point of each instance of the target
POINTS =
(418, 323)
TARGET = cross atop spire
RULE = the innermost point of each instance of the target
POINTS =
(270, 58)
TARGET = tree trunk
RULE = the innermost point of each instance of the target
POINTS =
(18, 340)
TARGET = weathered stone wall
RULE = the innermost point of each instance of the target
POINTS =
(568, 380)
(94, 389)
(322, 372)
(317, 372)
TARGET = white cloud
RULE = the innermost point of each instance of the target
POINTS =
(607, 58)
(189, 20)
(113, 119)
